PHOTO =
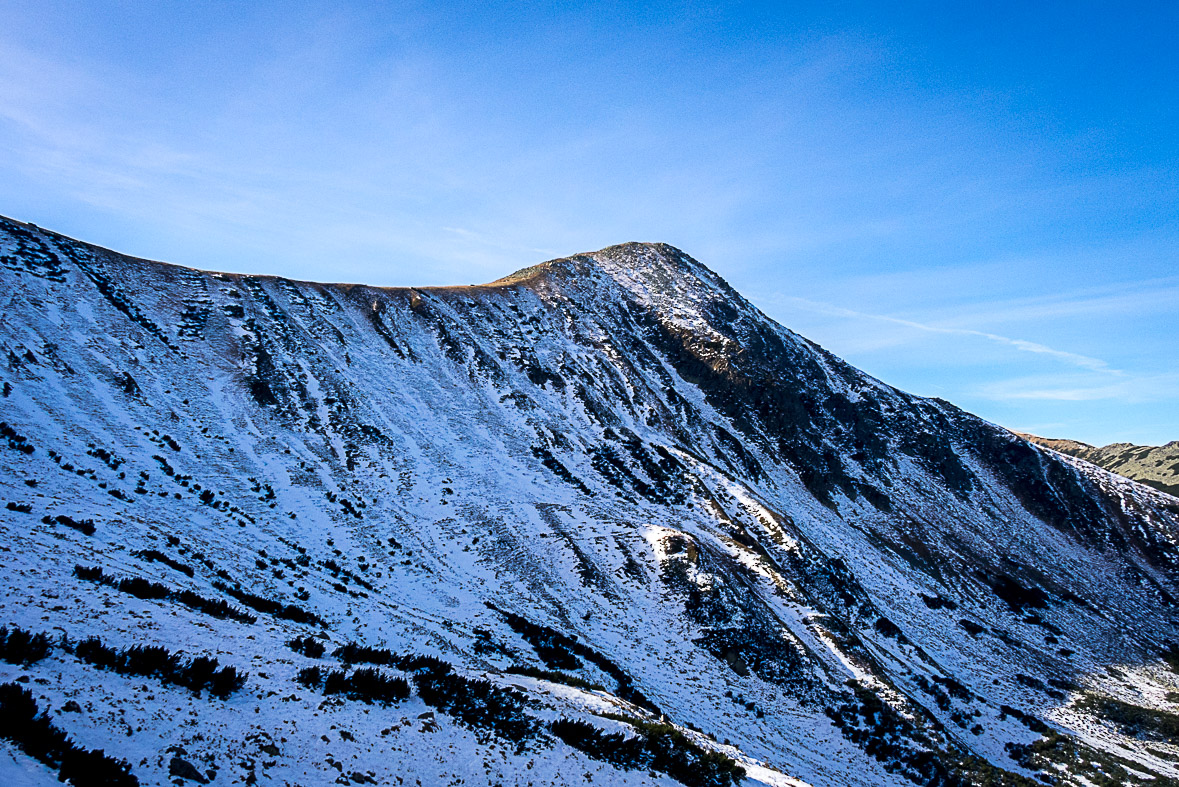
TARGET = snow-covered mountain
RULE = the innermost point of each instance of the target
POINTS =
(599, 521)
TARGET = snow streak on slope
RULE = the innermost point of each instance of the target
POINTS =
(607, 482)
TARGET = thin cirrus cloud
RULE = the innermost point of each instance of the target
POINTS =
(1063, 356)
(1130, 390)
(1155, 296)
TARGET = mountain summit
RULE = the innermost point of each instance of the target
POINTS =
(601, 520)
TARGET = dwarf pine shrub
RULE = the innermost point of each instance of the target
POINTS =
(18, 646)
(33, 732)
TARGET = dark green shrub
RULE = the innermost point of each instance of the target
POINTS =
(271, 607)
(84, 526)
(22, 722)
(366, 684)
(307, 646)
(141, 588)
(18, 646)
(476, 703)
(311, 677)
(351, 653)
(153, 661)
(152, 556)
(559, 651)
(656, 747)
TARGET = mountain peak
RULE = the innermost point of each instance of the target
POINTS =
(592, 520)
(635, 255)
(658, 276)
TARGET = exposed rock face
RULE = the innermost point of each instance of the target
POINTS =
(607, 485)
(1153, 465)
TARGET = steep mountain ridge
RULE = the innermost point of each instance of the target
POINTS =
(1153, 465)
(607, 469)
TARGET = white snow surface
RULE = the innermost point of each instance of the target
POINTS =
(614, 445)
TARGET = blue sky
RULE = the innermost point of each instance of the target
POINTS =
(979, 202)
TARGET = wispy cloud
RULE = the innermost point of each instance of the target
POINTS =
(494, 243)
(1140, 388)
(1136, 298)
(1023, 345)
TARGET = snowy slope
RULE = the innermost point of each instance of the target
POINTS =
(798, 566)
(1153, 465)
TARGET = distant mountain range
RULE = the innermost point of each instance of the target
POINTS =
(1153, 465)
(601, 522)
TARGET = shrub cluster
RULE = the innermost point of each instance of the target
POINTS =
(1026, 719)
(23, 723)
(559, 651)
(482, 705)
(270, 607)
(158, 662)
(153, 556)
(903, 747)
(351, 653)
(890, 738)
(552, 463)
(937, 602)
(142, 588)
(1057, 758)
(476, 703)
(556, 650)
(365, 684)
(308, 646)
(655, 747)
(1017, 596)
(18, 646)
(1135, 720)
(84, 526)
(338, 571)
(16, 442)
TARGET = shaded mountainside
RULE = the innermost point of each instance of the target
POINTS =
(1153, 465)
(599, 520)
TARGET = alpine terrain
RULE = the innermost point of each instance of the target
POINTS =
(598, 522)
(1153, 465)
